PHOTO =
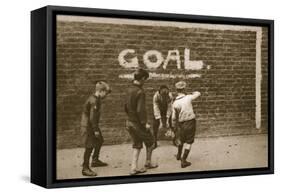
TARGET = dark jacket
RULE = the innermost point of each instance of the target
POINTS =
(135, 107)
(91, 114)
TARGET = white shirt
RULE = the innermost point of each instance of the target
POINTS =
(182, 109)
(156, 106)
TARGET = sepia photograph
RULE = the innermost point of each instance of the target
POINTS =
(142, 97)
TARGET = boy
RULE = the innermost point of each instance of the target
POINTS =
(90, 128)
(162, 110)
(183, 120)
(136, 123)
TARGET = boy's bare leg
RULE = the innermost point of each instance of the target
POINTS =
(148, 163)
(134, 167)
(136, 154)
(186, 149)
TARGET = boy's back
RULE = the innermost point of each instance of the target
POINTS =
(135, 104)
(183, 106)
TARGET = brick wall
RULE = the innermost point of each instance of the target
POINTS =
(88, 51)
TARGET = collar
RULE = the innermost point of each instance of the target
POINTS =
(137, 85)
(180, 96)
(97, 97)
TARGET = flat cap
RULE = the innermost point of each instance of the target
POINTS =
(141, 73)
(180, 85)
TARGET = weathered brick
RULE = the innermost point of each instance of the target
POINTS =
(87, 52)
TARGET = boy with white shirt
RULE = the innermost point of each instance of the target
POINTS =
(183, 120)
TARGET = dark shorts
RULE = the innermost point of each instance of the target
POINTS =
(92, 141)
(139, 135)
(187, 131)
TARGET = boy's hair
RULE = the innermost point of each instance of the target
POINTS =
(180, 90)
(163, 87)
(102, 86)
(180, 86)
(141, 73)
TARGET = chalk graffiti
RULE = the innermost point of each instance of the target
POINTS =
(173, 55)
(191, 65)
(162, 76)
(149, 63)
(132, 63)
(153, 60)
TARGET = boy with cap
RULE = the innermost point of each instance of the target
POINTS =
(136, 124)
(162, 110)
(90, 128)
(183, 120)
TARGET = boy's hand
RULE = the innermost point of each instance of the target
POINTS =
(161, 124)
(167, 123)
(97, 133)
(147, 126)
(170, 133)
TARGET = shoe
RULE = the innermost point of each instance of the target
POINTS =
(98, 163)
(137, 171)
(150, 166)
(88, 172)
(185, 164)
(178, 156)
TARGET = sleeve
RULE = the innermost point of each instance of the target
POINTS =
(93, 118)
(174, 116)
(156, 110)
(84, 120)
(141, 109)
(169, 110)
(84, 117)
(195, 95)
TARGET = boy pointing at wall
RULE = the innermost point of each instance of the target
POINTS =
(183, 120)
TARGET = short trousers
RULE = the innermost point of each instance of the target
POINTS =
(139, 135)
(187, 131)
(91, 140)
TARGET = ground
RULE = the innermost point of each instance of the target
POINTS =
(214, 153)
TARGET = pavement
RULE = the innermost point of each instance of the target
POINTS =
(213, 153)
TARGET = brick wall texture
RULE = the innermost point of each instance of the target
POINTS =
(88, 51)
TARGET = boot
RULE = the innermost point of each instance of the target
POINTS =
(98, 163)
(179, 152)
(185, 163)
(88, 172)
(148, 163)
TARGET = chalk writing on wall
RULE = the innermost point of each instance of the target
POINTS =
(127, 58)
(132, 63)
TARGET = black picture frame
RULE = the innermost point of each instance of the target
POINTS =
(43, 95)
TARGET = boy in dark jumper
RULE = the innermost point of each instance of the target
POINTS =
(136, 124)
(90, 130)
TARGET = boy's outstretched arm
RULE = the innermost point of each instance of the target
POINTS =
(195, 95)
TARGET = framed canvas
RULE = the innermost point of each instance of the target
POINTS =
(126, 96)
